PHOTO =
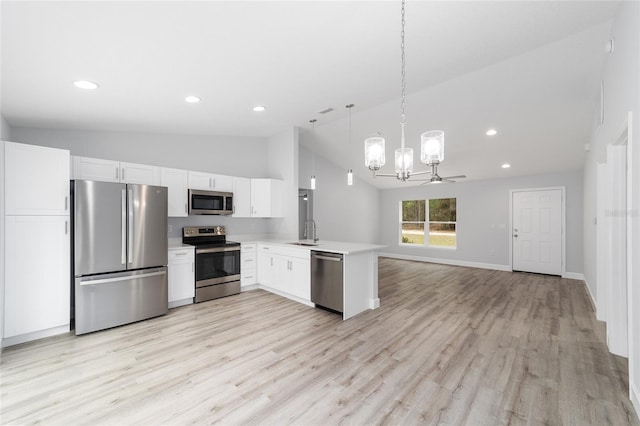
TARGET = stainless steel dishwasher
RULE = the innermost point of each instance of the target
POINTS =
(327, 280)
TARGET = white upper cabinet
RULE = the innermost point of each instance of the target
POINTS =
(139, 173)
(266, 197)
(210, 182)
(36, 180)
(87, 168)
(241, 197)
(176, 181)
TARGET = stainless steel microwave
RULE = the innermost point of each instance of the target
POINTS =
(210, 202)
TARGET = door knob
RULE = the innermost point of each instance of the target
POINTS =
(515, 235)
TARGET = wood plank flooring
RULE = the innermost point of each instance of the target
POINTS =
(448, 345)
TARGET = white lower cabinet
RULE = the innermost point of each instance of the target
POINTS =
(248, 264)
(285, 270)
(37, 274)
(181, 276)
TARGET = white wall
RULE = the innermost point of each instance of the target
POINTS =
(342, 212)
(483, 232)
(230, 155)
(5, 130)
(622, 94)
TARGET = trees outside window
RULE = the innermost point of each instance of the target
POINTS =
(441, 223)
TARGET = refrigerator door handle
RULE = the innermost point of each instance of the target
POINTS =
(130, 226)
(123, 229)
(124, 278)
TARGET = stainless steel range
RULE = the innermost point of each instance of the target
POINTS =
(217, 262)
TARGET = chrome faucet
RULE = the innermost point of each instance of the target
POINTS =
(314, 228)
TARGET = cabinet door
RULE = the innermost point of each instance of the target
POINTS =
(265, 267)
(37, 285)
(199, 180)
(298, 278)
(181, 279)
(141, 174)
(36, 180)
(176, 181)
(86, 168)
(222, 183)
(241, 197)
(260, 197)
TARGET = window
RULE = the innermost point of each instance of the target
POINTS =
(441, 223)
(412, 221)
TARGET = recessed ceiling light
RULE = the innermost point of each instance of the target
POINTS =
(506, 165)
(192, 99)
(492, 132)
(83, 84)
(259, 108)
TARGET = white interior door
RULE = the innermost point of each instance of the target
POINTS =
(537, 231)
(603, 194)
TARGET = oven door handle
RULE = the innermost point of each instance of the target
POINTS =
(217, 249)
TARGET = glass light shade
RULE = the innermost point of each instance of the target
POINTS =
(313, 182)
(408, 160)
(432, 147)
(350, 177)
(374, 152)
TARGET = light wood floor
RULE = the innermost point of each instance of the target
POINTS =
(449, 345)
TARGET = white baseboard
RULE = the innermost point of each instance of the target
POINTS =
(249, 287)
(16, 340)
(593, 299)
(182, 302)
(574, 276)
(634, 395)
(374, 303)
(447, 261)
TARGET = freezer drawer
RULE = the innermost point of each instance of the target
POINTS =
(108, 300)
(327, 280)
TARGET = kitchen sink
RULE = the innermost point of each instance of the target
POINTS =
(304, 244)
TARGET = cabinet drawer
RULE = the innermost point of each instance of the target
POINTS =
(244, 248)
(248, 260)
(248, 276)
(181, 254)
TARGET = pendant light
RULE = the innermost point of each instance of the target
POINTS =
(313, 158)
(350, 172)
(432, 143)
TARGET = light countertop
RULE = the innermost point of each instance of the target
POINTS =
(323, 245)
(176, 243)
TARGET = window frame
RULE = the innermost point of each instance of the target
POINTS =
(426, 226)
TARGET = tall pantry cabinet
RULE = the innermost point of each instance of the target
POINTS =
(35, 237)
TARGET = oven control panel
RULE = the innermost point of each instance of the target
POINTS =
(198, 231)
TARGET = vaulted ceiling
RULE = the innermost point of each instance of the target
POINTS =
(529, 69)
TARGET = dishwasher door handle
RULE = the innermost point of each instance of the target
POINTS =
(333, 259)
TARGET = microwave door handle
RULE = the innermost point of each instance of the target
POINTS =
(130, 227)
(123, 228)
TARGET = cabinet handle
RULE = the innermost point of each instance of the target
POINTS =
(117, 173)
(193, 266)
(66, 227)
(248, 276)
(66, 200)
(272, 261)
(213, 182)
(181, 254)
(185, 208)
(209, 182)
(123, 178)
(248, 260)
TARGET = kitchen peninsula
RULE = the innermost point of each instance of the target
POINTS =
(283, 267)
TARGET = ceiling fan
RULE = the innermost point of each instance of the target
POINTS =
(436, 178)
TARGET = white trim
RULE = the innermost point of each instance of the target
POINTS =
(634, 396)
(574, 276)
(633, 391)
(374, 303)
(563, 250)
(593, 299)
(181, 302)
(453, 262)
(16, 340)
(249, 287)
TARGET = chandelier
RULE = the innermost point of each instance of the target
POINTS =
(431, 147)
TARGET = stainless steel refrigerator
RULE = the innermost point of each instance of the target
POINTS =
(119, 253)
